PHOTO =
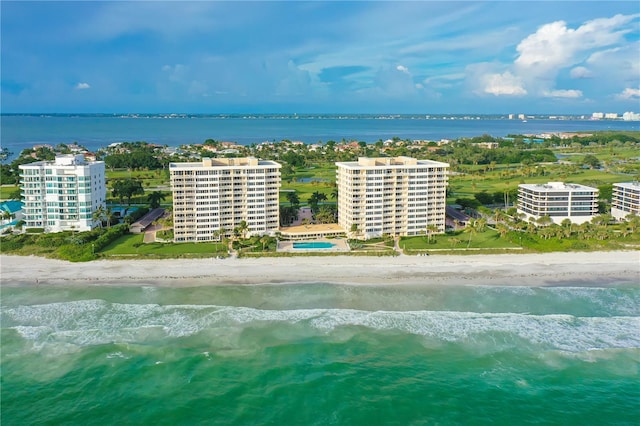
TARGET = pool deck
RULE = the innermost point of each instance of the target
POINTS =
(340, 245)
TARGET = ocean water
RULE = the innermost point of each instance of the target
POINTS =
(95, 131)
(320, 354)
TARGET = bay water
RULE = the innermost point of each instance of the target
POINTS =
(99, 130)
(320, 354)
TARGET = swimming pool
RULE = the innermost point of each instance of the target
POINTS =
(313, 245)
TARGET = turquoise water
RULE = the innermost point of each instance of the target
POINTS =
(318, 354)
(313, 245)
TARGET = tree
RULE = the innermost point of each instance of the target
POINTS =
(334, 192)
(242, 228)
(326, 214)
(288, 170)
(265, 240)
(6, 215)
(475, 227)
(591, 161)
(544, 220)
(567, 227)
(471, 229)
(99, 214)
(315, 198)
(293, 199)
(633, 221)
(430, 230)
(502, 229)
(155, 198)
(16, 195)
(127, 188)
(5, 154)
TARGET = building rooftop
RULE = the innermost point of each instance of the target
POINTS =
(394, 162)
(629, 185)
(225, 162)
(319, 228)
(551, 186)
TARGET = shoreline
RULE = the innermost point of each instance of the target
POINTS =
(537, 270)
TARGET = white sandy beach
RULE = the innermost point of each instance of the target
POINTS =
(598, 268)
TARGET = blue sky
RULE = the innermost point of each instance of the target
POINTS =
(321, 57)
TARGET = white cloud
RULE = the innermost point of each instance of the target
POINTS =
(572, 94)
(403, 69)
(619, 64)
(503, 84)
(555, 45)
(629, 93)
(82, 86)
(580, 72)
(554, 48)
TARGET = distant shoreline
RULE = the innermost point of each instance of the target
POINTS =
(536, 270)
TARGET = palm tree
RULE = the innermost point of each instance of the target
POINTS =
(430, 230)
(293, 198)
(99, 214)
(544, 220)
(334, 192)
(633, 221)
(567, 227)
(473, 227)
(243, 228)
(155, 198)
(265, 240)
(502, 229)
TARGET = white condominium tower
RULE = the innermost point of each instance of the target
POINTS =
(62, 195)
(395, 196)
(559, 201)
(219, 193)
(625, 199)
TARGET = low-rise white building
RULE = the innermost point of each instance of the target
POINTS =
(219, 193)
(558, 200)
(625, 199)
(63, 194)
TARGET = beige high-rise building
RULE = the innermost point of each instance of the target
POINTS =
(62, 195)
(395, 196)
(220, 193)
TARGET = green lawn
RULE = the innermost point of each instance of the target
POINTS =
(6, 191)
(133, 245)
(465, 186)
(615, 242)
(489, 239)
(324, 177)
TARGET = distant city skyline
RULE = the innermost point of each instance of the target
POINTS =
(494, 57)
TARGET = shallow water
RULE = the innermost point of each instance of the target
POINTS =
(321, 354)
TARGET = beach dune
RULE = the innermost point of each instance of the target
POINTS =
(593, 268)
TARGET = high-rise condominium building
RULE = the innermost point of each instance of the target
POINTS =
(559, 201)
(219, 193)
(63, 194)
(395, 196)
(625, 199)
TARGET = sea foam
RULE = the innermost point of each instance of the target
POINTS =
(95, 322)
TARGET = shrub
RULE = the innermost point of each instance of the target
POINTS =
(34, 230)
